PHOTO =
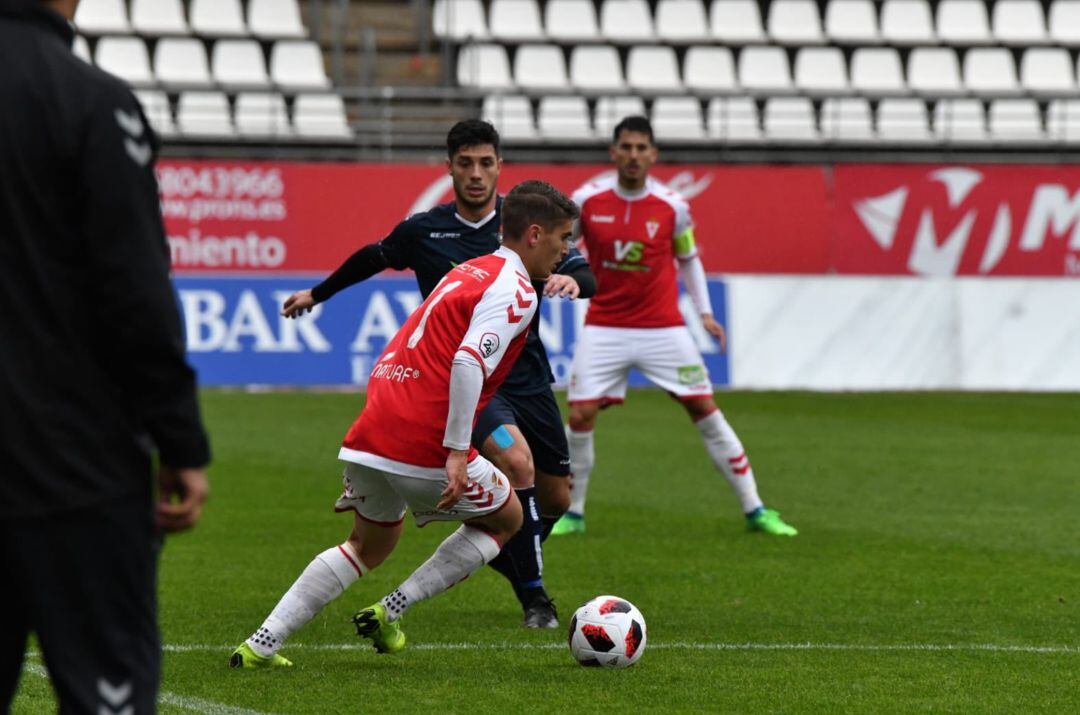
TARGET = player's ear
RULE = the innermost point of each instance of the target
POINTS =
(449, 166)
(534, 234)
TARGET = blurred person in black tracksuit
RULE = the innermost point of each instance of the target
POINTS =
(93, 378)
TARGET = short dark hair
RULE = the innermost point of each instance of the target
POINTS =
(471, 132)
(633, 123)
(535, 202)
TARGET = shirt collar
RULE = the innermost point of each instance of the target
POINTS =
(475, 224)
(513, 257)
(35, 11)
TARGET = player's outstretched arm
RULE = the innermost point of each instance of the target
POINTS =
(298, 303)
(360, 266)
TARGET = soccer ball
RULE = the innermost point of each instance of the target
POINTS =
(609, 632)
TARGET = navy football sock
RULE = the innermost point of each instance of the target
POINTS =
(520, 560)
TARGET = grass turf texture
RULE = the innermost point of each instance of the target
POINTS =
(925, 520)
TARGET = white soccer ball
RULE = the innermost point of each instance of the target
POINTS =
(608, 632)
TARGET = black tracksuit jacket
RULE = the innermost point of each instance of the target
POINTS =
(93, 376)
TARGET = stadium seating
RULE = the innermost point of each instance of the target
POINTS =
(217, 18)
(155, 104)
(158, 17)
(516, 21)
(571, 21)
(320, 116)
(261, 114)
(734, 119)
(239, 63)
(540, 68)
(512, 116)
(126, 57)
(564, 118)
(274, 19)
(678, 119)
(205, 114)
(102, 17)
(846, 119)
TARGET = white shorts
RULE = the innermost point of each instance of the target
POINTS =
(668, 357)
(381, 497)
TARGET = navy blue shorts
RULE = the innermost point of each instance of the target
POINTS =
(538, 418)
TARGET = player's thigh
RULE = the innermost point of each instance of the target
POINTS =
(368, 492)
(670, 359)
(487, 492)
(93, 579)
(540, 423)
(601, 365)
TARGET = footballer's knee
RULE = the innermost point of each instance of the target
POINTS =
(503, 523)
(518, 463)
(583, 416)
(552, 494)
(698, 408)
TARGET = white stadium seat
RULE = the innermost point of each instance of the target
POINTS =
(852, 22)
(126, 57)
(516, 21)
(1064, 22)
(821, 71)
(275, 19)
(876, 70)
(960, 121)
(217, 18)
(709, 70)
(320, 116)
(158, 17)
(795, 22)
(765, 70)
(298, 64)
(734, 119)
(102, 17)
(677, 119)
(181, 61)
(1047, 70)
(511, 115)
(204, 114)
(571, 21)
(626, 21)
(155, 105)
(907, 22)
(611, 110)
(1016, 121)
(459, 20)
(682, 21)
(564, 118)
(484, 67)
(903, 120)
(540, 68)
(81, 48)
(990, 70)
(790, 119)
(239, 63)
(1019, 22)
(653, 69)
(596, 69)
(846, 120)
(963, 22)
(1063, 121)
(262, 114)
(934, 71)
(736, 22)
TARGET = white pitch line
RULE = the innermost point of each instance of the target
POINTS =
(199, 705)
(885, 647)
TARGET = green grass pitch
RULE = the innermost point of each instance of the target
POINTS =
(937, 568)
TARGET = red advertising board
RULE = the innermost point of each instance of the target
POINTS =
(256, 217)
(878, 219)
(956, 220)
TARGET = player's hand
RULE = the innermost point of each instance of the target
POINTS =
(297, 304)
(562, 286)
(457, 463)
(181, 497)
(714, 329)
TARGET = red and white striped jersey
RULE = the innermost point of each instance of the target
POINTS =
(483, 307)
(630, 242)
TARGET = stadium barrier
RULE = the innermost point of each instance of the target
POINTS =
(835, 277)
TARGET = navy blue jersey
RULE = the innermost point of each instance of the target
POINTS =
(433, 242)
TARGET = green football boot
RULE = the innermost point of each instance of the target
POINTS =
(245, 657)
(385, 635)
(768, 521)
(569, 524)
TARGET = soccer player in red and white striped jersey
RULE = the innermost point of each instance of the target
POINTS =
(410, 447)
(639, 238)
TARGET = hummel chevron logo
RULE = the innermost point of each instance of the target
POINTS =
(523, 304)
(740, 465)
(130, 123)
(114, 697)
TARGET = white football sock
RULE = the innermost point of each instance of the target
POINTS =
(582, 458)
(324, 579)
(458, 556)
(730, 458)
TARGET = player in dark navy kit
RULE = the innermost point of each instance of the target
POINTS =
(521, 429)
